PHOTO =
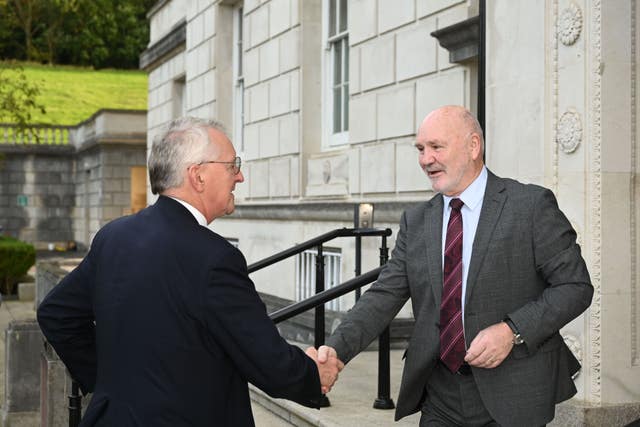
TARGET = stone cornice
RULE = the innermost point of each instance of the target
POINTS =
(461, 39)
(174, 41)
(388, 212)
(114, 139)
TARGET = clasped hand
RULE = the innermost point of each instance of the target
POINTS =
(329, 366)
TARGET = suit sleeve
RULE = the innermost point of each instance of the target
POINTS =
(237, 319)
(377, 307)
(67, 321)
(558, 261)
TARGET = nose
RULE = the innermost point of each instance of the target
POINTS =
(240, 177)
(426, 158)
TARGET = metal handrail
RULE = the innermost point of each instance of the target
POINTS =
(325, 296)
(323, 238)
(383, 401)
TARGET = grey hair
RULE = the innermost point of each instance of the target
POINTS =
(184, 142)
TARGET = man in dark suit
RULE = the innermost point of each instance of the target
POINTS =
(504, 249)
(160, 320)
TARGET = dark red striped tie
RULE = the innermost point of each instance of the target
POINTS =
(451, 333)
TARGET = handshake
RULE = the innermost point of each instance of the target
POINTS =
(329, 366)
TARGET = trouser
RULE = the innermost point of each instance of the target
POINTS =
(453, 400)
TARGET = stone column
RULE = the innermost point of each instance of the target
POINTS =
(561, 112)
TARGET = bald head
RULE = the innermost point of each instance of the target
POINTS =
(450, 147)
(460, 122)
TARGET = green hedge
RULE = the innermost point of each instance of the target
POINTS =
(16, 258)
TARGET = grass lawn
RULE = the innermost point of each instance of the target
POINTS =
(72, 94)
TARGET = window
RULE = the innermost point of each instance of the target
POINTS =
(179, 98)
(238, 79)
(337, 72)
(306, 274)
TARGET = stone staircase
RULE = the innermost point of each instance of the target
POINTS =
(351, 399)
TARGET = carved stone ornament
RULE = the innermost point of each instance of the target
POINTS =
(576, 348)
(569, 131)
(570, 24)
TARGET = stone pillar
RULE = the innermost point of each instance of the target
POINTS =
(55, 382)
(55, 390)
(23, 341)
(48, 274)
(562, 112)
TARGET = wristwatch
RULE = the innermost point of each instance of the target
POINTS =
(517, 338)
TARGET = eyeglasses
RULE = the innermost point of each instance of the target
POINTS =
(237, 163)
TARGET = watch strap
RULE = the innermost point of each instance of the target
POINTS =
(517, 338)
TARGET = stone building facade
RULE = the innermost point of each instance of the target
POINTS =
(322, 99)
(64, 186)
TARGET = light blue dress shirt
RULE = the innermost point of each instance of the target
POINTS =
(472, 198)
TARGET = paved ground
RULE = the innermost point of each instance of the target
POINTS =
(351, 399)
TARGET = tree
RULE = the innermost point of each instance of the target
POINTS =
(28, 14)
(17, 96)
(55, 14)
(100, 33)
(113, 33)
(11, 36)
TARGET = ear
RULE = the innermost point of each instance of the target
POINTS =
(196, 181)
(475, 146)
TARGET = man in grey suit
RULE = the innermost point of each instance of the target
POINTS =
(489, 352)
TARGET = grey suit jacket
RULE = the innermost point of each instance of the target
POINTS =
(525, 264)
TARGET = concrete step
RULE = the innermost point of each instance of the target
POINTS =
(26, 291)
(351, 399)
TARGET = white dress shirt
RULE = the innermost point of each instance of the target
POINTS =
(195, 212)
(472, 198)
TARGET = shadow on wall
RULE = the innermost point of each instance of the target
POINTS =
(54, 199)
(13, 212)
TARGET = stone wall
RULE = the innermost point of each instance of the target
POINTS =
(37, 192)
(53, 194)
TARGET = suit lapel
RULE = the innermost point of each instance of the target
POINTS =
(433, 245)
(492, 205)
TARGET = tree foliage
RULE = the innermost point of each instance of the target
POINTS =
(17, 96)
(98, 33)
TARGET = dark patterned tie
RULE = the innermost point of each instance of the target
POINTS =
(451, 334)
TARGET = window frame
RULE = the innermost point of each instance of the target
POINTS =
(333, 139)
(238, 77)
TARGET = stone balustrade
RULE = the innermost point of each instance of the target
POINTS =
(35, 134)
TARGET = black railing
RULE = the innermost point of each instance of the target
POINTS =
(383, 401)
(315, 242)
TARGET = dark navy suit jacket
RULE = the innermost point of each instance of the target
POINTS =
(162, 323)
